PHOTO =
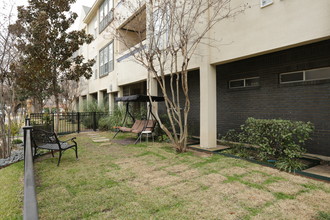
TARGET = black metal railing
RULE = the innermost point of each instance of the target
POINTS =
(30, 210)
(67, 122)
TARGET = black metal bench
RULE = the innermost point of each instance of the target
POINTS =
(49, 141)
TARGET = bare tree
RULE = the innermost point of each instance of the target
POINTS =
(8, 101)
(163, 36)
(69, 93)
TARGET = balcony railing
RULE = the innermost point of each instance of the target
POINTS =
(130, 53)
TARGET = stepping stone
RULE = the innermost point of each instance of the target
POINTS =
(99, 137)
(101, 140)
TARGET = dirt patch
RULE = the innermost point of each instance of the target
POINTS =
(317, 199)
(164, 181)
(287, 209)
(285, 187)
(234, 171)
(253, 197)
(201, 154)
(130, 163)
(229, 189)
(125, 141)
(177, 168)
(212, 204)
(187, 187)
(212, 179)
(190, 174)
(255, 178)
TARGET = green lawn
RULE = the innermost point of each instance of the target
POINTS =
(113, 181)
(11, 191)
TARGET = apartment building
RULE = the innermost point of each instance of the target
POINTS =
(271, 61)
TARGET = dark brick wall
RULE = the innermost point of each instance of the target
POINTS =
(194, 96)
(306, 101)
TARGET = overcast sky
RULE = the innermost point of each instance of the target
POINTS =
(77, 7)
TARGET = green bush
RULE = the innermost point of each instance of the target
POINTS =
(278, 139)
(46, 118)
(17, 141)
(93, 106)
(14, 128)
(88, 120)
(231, 135)
(115, 119)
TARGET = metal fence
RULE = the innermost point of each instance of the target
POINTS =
(67, 122)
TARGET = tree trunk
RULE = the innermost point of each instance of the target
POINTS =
(57, 115)
(4, 145)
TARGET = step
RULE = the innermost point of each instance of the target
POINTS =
(101, 140)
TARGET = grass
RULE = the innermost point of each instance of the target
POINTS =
(113, 181)
(11, 191)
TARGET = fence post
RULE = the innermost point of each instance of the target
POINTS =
(53, 122)
(27, 122)
(30, 207)
(94, 121)
(78, 122)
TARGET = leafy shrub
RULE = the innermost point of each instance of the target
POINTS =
(231, 135)
(289, 164)
(17, 141)
(93, 106)
(278, 139)
(88, 120)
(46, 118)
(14, 128)
(115, 119)
(241, 151)
(162, 137)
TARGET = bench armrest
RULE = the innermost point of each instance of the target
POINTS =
(71, 139)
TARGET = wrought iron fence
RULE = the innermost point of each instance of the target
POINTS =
(67, 122)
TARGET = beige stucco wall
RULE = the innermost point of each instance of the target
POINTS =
(255, 31)
(285, 23)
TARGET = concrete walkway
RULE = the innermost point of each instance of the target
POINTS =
(322, 170)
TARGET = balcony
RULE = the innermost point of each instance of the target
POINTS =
(133, 30)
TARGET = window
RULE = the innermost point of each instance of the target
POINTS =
(306, 75)
(106, 60)
(264, 3)
(106, 14)
(244, 83)
(292, 77)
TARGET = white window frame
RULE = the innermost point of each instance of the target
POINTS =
(281, 74)
(105, 14)
(109, 61)
(244, 80)
(304, 75)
